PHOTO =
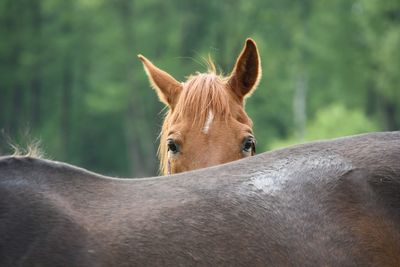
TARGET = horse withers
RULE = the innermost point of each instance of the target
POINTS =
(206, 123)
(330, 203)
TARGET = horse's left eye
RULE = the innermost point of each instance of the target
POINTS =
(249, 145)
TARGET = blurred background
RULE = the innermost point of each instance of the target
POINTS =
(69, 75)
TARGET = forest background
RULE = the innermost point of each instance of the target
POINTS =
(69, 75)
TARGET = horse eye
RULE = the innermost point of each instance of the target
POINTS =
(249, 145)
(172, 146)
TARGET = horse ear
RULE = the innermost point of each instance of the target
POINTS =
(247, 71)
(166, 86)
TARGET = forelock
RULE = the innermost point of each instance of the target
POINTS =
(201, 94)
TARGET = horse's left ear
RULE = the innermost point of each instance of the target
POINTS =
(247, 71)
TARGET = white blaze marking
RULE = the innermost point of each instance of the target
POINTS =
(209, 120)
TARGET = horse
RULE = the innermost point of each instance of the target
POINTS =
(326, 203)
(206, 123)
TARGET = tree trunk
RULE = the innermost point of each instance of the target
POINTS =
(141, 155)
(17, 107)
(389, 111)
(66, 100)
(300, 104)
(36, 80)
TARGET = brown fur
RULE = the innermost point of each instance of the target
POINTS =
(189, 106)
(329, 203)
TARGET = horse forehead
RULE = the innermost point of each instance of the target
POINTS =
(214, 127)
(209, 123)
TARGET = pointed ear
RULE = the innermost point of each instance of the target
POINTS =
(167, 88)
(247, 71)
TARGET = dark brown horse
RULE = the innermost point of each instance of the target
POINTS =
(331, 203)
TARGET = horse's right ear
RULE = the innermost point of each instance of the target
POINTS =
(167, 88)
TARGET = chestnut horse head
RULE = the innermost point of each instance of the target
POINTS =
(206, 123)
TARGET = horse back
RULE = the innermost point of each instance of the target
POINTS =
(326, 203)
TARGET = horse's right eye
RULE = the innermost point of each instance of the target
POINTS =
(249, 145)
(172, 146)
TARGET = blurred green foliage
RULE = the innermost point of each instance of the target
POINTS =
(69, 72)
(331, 122)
